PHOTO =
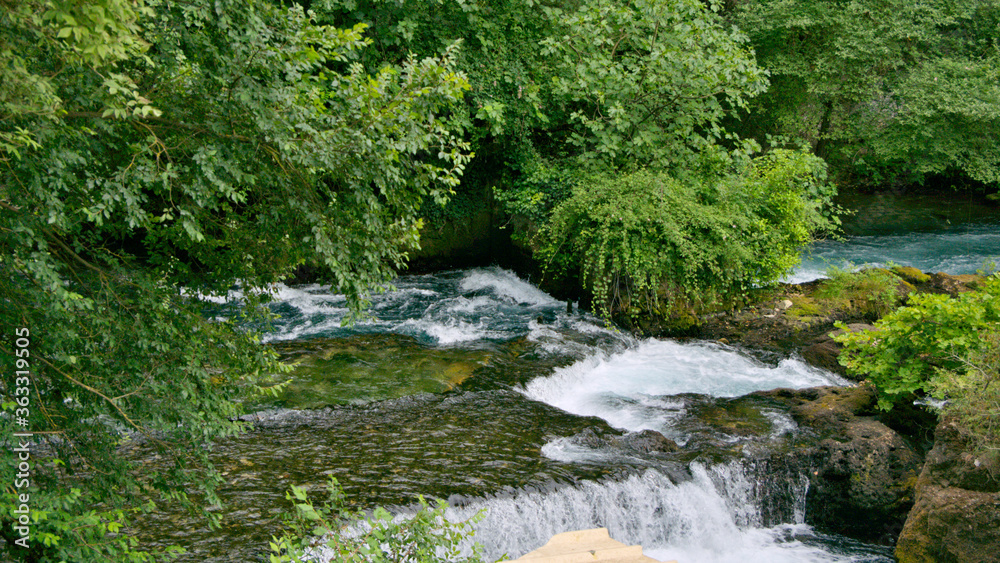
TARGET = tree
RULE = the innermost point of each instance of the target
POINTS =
(648, 82)
(885, 91)
(153, 150)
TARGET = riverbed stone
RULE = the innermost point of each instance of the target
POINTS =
(957, 512)
(861, 473)
(646, 441)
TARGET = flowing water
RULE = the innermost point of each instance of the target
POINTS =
(476, 387)
(959, 237)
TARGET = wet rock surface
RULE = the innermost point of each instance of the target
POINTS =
(861, 472)
(957, 512)
(646, 441)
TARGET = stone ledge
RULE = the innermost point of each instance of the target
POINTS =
(585, 546)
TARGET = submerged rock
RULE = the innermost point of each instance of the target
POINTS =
(646, 441)
(957, 512)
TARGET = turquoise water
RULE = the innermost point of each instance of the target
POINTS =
(953, 249)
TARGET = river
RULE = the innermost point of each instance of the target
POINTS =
(477, 387)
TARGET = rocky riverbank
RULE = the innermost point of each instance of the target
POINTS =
(898, 477)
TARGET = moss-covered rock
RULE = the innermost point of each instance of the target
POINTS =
(861, 472)
(911, 274)
(957, 512)
(732, 417)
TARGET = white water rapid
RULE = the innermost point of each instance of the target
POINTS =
(637, 389)
(716, 515)
(712, 518)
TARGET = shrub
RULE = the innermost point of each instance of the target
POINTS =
(973, 392)
(646, 237)
(332, 530)
(928, 345)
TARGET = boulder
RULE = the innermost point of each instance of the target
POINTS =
(861, 472)
(956, 517)
(824, 351)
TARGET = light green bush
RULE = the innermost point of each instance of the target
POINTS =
(929, 345)
(353, 536)
(646, 240)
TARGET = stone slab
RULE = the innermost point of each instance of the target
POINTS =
(586, 546)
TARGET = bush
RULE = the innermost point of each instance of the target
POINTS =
(344, 535)
(936, 343)
(973, 393)
(646, 237)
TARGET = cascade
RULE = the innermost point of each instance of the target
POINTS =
(533, 380)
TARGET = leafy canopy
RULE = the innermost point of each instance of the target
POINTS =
(648, 82)
(157, 149)
(887, 91)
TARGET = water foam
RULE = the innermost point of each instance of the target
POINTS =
(627, 389)
(507, 285)
(447, 308)
(713, 518)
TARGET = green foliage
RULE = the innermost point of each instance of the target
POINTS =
(175, 148)
(509, 102)
(973, 392)
(645, 237)
(886, 91)
(36, 34)
(350, 536)
(944, 116)
(648, 82)
(911, 347)
(64, 522)
(614, 85)
(539, 186)
(873, 292)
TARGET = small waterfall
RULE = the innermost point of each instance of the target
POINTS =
(740, 511)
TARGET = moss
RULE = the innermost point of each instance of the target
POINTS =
(911, 274)
(872, 292)
(805, 309)
(734, 418)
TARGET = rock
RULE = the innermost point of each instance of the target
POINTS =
(911, 274)
(861, 472)
(824, 354)
(957, 512)
(863, 484)
(825, 351)
(648, 441)
(953, 285)
(468, 240)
